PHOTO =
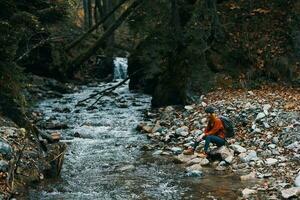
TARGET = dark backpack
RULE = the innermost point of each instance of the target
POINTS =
(228, 126)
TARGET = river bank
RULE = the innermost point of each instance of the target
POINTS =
(265, 148)
(29, 155)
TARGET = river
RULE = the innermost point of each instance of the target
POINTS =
(104, 159)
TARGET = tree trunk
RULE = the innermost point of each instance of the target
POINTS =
(90, 15)
(172, 87)
(101, 41)
(78, 40)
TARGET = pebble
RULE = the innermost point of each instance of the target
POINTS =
(247, 192)
(260, 116)
(297, 181)
(248, 156)
(4, 166)
(251, 176)
(237, 148)
(290, 192)
(5, 150)
(176, 150)
(194, 173)
(271, 161)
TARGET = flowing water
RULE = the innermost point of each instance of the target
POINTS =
(106, 162)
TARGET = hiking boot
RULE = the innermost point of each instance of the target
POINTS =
(202, 155)
(189, 151)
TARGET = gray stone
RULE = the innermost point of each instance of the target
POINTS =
(197, 167)
(290, 192)
(204, 161)
(237, 148)
(247, 177)
(188, 107)
(185, 158)
(194, 161)
(297, 181)
(127, 168)
(5, 150)
(260, 116)
(275, 140)
(176, 150)
(272, 146)
(182, 131)
(247, 192)
(248, 156)
(4, 166)
(225, 153)
(194, 173)
(266, 125)
(271, 161)
(157, 152)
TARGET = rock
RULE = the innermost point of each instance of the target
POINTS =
(157, 127)
(201, 161)
(52, 126)
(297, 181)
(247, 177)
(248, 156)
(237, 148)
(294, 145)
(247, 192)
(204, 161)
(188, 107)
(4, 166)
(56, 136)
(272, 146)
(194, 173)
(275, 140)
(169, 109)
(203, 104)
(251, 93)
(76, 134)
(127, 168)
(271, 161)
(291, 192)
(260, 116)
(182, 131)
(184, 158)
(266, 107)
(266, 125)
(197, 167)
(147, 128)
(157, 152)
(225, 153)
(221, 168)
(5, 150)
(229, 159)
(176, 150)
(194, 161)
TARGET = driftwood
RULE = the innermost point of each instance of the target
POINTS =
(75, 64)
(107, 90)
(78, 40)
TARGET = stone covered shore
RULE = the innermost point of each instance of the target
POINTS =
(266, 146)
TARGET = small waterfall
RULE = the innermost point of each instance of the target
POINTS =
(120, 70)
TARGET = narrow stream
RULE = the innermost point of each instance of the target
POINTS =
(104, 160)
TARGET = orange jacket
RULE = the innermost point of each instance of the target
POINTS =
(217, 129)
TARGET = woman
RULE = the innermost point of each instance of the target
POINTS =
(213, 133)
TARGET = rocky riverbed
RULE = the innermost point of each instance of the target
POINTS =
(28, 155)
(266, 146)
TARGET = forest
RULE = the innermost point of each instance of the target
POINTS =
(120, 99)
